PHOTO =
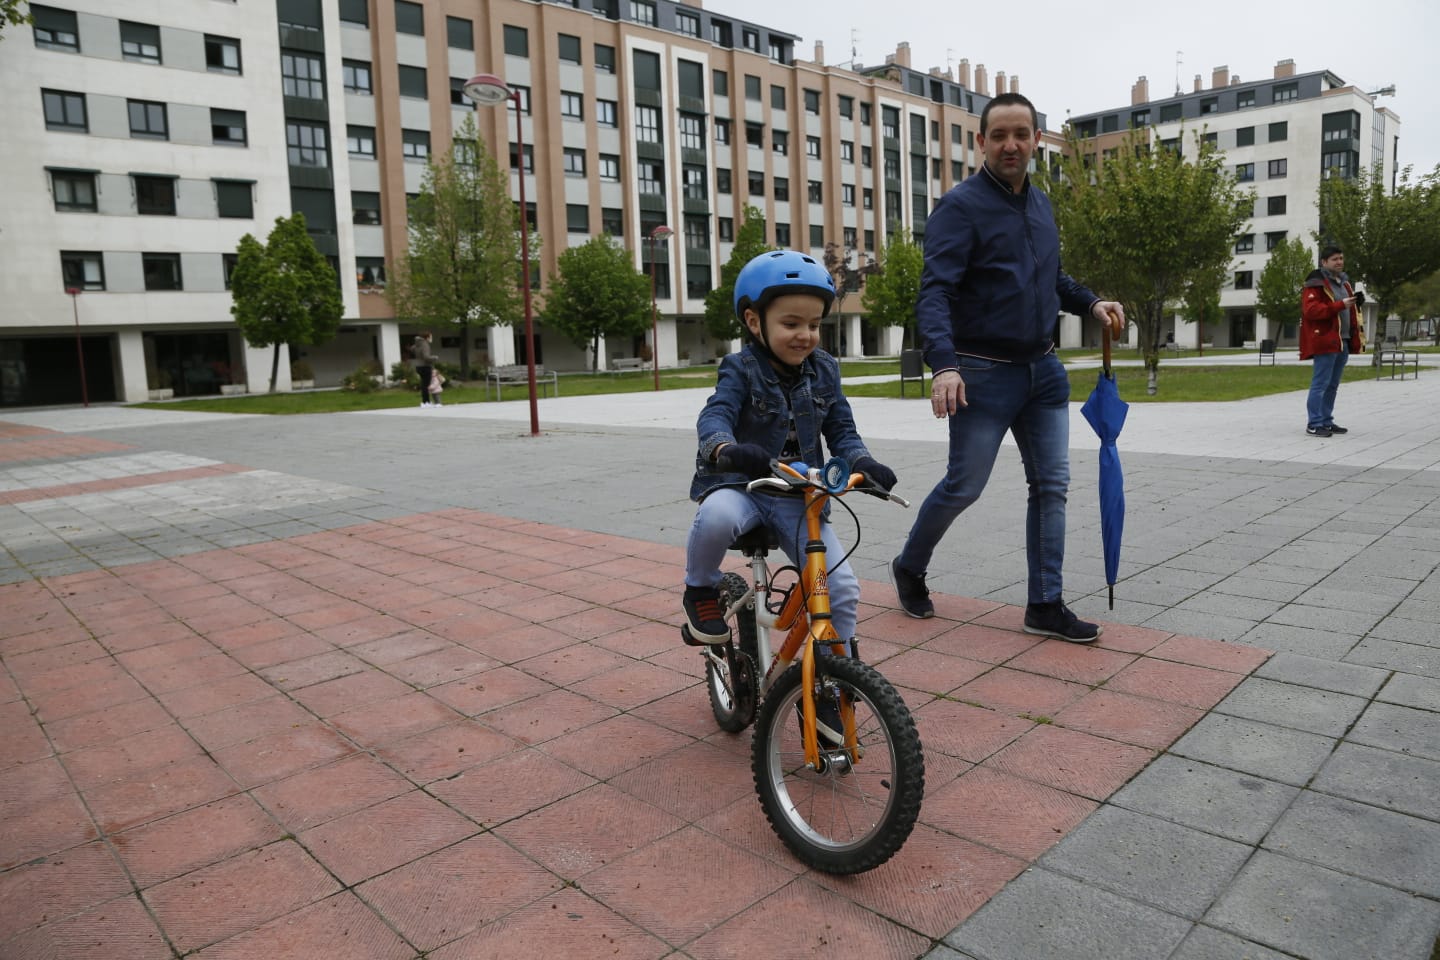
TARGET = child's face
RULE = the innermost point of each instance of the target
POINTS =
(793, 326)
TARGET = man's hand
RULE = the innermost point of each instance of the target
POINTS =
(947, 393)
(1112, 314)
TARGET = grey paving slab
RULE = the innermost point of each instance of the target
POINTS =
(1043, 914)
(1358, 838)
(1285, 638)
(1206, 797)
(942, 952)
(1260, 749)
(1154, 861)
(1207, 943)
(1306, 671)
(1382, 778)
(1395, 655)
(1288, 705)
(1402, 729)
(1200, 624)
(1316, 913)
(1425, 632)
(1420, 692)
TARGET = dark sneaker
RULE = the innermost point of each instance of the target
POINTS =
(829, 728)
(1056, 620)
(914, 595)
(705, 620)
(1319, 431)
(1337, 429)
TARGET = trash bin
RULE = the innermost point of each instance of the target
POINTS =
(912, 367)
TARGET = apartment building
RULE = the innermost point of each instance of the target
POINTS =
(1282, 136)
(148, 138)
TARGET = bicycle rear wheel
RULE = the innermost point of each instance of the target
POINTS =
(734, 692)
(846, 817)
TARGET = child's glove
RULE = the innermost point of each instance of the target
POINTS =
(879, 474)
(750, 459)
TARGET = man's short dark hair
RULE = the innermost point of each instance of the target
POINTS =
(1008, 100)
(1328, 251)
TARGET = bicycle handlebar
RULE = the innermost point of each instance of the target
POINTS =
(789, 478)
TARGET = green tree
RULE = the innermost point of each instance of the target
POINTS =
(1389, 238)
(462, 267)
(284, 291)
(1202, 300)
(10, 14)
(1277, 294)
(1417, 300)
(1144, 225)
(891, 290)
(597, 292)
(720, 319)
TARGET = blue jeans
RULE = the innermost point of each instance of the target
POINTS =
(728, 512)
(1032, 401)
(1324, 384)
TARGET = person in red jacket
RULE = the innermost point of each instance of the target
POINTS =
(1329, 332)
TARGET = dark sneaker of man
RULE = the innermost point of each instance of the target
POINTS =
(1337, 429)
(1055, 620)
(705, 620)
(914, 595)
(1319, 431)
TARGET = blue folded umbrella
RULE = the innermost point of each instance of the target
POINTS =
(1106, 413)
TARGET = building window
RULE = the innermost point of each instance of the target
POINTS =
(721, 33)
(409, 18)
(1275, 206)
(1244, 172)
(524, 94)
(693, 181)
(457, 93)
(1273, 239)
(726, 228)
(572, 106)
(415, 144)
(569, 48)
(228, 263)
(777, 97)
(1245, 136)
(612, 221)
(82, 270)
(867, 198)
(604, 59)
(697, 234)
(817, 235)
(1276, 168)
(55, 29)
(867, 157)
(307, 144)
(1209, 105)
(162, 271)
(687, 24)
(782, 234)
(148, 120)
(64, 111)
(720, 83)
(848, 236)
(650, 172)
(528, 159)
(574, 162)
(722, 180)
(365, 208)
(752, 88)
(227, 127)
(780, 142)
(412, 82)
(360, 141)
(1245, 98)
(869, 239)
(756, 183)
(577, 218)
(647, 124)
(301, 75)
(1245, 243)
(722, 130)
(222, 54)
(815, 191)
(1244, 279)
(866, 113)
(517, 41)
(356, 76)
(755, 134)
(846, 106)
(73, 191)
(643, 11)
(1285, 92)
(1279, 131)
(750, 39)
(847, 194)
(370, 271)
(847, 151)
(782, 188)
(139, 42)
(235, 198)
(355, 11)
(890, 122)
(692, 131)
(609, 166)
(459, 33)
(812, 147)
(1139, 119)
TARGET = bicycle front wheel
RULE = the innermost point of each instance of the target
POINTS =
(853, 813)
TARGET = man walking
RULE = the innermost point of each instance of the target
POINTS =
(990, 292)
(1329, 333)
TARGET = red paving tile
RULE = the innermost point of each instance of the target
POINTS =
(312, 702)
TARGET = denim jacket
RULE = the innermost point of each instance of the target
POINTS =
(750, 405)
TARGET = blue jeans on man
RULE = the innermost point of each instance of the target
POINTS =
(1032, 401)
(1324, 384)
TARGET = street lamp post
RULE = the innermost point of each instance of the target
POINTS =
(486, 89)
(661, 232)
(79, 346)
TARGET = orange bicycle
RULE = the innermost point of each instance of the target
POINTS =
(836, 757)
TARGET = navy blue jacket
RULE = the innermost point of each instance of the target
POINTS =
(992, 285)
(751, 405)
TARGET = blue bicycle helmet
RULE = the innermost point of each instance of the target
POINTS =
(778, 272)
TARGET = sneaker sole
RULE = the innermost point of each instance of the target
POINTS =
(923, 615)
(1038, 632)
(702, 639)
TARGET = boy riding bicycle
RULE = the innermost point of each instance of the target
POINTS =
(775, 399)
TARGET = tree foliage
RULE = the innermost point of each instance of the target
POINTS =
(720, 319)
(1389, 239)
(12, 15)
(597, 292)
(462, 267)
(1277, 294)
(1145, 224)
(1202, 299)
(890, 291)
(284, 291)
(1416, 300)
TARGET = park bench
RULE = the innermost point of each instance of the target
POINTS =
(519, 373)
(620, 364)
(1400, 360)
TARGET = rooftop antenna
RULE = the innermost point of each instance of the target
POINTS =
(949, 59)
(1178, 61)
(854, 51)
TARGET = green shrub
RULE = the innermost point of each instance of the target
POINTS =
(404, 373)
(363, 379)
(301, 370)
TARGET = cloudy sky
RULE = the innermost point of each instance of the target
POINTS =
(1084, 58)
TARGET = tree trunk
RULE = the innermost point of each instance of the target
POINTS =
(464, 349)
(595, 353)
(274, 366)
(1152, 369)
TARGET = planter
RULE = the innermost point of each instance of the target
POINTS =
(165, 394)
(231, 389)
(302, 384)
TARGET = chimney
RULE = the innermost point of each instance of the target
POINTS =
(1220, 78)
(902, 53)
(935, 72)
(981, 86)
(1140, 92)
(1015, 83)
(1235, 80)
(965, 73)
(1284, 68)
(820, 53)
(1198, 85)
(999, 82)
